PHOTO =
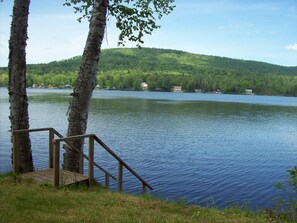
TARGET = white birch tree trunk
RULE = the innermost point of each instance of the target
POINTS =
(18, 99)
(85, 83)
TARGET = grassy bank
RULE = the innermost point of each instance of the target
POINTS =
(24, 201)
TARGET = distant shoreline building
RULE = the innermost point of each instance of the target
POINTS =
(177, 88)
(249, 91)
(144, 86)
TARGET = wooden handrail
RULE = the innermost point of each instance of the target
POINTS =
(32, 130)
(51, 149)
(121, 162)
(54, 149)
(85, 156)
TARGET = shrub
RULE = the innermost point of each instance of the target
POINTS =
(288, 204)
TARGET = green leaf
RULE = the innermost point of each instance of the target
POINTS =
(134, 17)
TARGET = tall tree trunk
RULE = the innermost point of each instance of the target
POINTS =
(19, 117)
(85, 84)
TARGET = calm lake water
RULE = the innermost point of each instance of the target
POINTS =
(196, 147)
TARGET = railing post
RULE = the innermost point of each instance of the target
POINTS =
(107, 181)
(143, 190)
(50, 148)
(81, 161)
(91, 160)
(16, 152)
(56, 163)
(120, 177)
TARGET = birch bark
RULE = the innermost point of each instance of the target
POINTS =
(19, 116)
(85, 84)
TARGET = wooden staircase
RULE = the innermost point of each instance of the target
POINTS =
(56, 176)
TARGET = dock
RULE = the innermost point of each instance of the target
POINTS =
(46, 176)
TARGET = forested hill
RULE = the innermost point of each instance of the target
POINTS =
(165, 61)
(126, 68)
(173, 61)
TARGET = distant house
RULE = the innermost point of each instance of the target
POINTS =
(177, 89)
(249, 91)
(143, 86)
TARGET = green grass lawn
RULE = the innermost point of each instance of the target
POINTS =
(21, 200)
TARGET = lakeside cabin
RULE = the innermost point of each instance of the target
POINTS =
(177, 89)
(144, 86)
(249, 91)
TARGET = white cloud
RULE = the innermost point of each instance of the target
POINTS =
(292, 47)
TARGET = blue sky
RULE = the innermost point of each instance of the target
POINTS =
(261, 30)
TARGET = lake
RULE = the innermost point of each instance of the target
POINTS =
(200, 148)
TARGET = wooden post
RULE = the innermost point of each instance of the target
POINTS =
(143, 188)
(81, 161)
(56, 163)
(16, 152)
(120, 177)
(50, 148)
(107, 181)
(91, 160)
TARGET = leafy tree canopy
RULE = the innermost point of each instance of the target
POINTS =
(134, 18)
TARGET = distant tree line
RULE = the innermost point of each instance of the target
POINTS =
(229, 84)
(204, 82)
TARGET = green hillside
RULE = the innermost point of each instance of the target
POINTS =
(183, 63)
(126, 68)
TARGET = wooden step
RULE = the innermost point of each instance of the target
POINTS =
(46, 176)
